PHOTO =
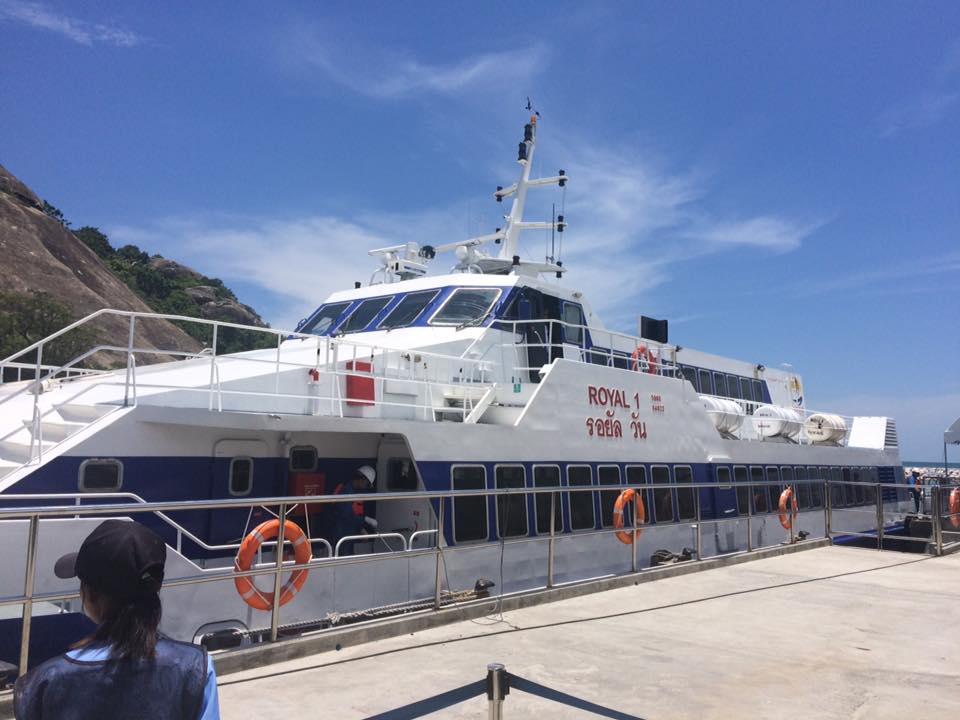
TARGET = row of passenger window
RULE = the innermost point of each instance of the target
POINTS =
(737, 387)
(463, 305)
(578, 510)
(573, 510)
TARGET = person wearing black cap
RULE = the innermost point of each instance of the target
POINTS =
(126, 668)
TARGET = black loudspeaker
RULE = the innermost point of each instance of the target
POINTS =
(651, 329)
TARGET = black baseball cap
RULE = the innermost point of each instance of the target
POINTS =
(120, 558)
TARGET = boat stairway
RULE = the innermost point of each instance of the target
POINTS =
(30, 440)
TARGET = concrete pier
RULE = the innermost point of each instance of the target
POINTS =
(833, 632)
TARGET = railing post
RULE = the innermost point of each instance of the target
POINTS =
(278, 576)
(794, 516)
(937, 525)
(28, 582)
(36, 408)
(699, 535)
(213, 363)
(634, 563)
(553, 530)
(496, 690)
(879, 517)
(750, 518)
(828, 508)
(126, 384)
(438, 585)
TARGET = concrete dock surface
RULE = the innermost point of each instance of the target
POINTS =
(833, 632)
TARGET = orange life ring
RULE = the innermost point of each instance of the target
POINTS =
(785, 497)
(626, 496)
(955, 507)
(251, 594)
(644, 352)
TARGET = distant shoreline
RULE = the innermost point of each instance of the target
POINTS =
(929, 464)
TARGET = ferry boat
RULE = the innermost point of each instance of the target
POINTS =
(492, 375)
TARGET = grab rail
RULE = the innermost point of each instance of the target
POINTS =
(35, 513)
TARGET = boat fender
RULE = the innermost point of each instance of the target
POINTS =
(955, 507)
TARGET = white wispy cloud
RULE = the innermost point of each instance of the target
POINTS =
(384, 73)
(931, 105)
(632, 223)
(80, 31)
(895, 276)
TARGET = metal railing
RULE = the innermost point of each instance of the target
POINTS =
(633, 527)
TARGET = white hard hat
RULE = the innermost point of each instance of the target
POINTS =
(368, 472)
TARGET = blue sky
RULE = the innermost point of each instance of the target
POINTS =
(781, 181)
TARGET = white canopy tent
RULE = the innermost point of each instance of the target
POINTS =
(952, 434)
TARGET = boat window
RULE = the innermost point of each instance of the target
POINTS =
(848, 493)
(690, 374)
(859, 491)
(364, 313)
(547, 476)
(469, 513)
(324, 318)
(803, 489)
(465, 305)
(511, 509)
(836, 489)
(100, 475)
(787, 478)
(720, 384)
(637, 475)
(573, 316)
(816, 476)
(761, 501)
(758, 391)
(706, 385)
(773, 485)
(743, 491)
(723, 477)
(733, 387)
(662, 497)
(747, 393)
(608, 475)
(401, 475)
(581, 503)
(303, 458)
(408, 310)
(241, 475)
(686, 502)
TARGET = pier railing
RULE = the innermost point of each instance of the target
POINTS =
(880, 510)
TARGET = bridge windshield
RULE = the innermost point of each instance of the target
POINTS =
(324, 318)
(466, 305)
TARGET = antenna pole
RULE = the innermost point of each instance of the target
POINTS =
(511, 234)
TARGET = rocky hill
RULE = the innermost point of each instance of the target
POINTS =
(50, 275)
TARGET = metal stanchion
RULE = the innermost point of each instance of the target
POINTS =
(699, 535)
(791, 514)
(935, 498)
(634, 564)
(827, 510)
(28, 582)
(750, 519)
(497, 689)
(278, 577)
(438, 584)
(879, 491)
(553, 532)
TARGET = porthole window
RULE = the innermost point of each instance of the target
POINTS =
(241, 475)
(101, 475)
(303, 458)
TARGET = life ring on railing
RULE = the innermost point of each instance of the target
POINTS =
(626, 496)
(642, 351)
(787, 519)
(251, 594)
(955, 507)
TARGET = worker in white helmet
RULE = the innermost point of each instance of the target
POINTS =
(351, 518)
